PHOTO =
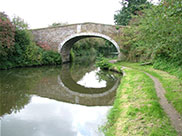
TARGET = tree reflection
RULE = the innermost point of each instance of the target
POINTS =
(17, 84)
(13, 102)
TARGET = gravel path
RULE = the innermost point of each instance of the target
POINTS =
(174, 116)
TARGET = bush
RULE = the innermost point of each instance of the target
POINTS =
(156, 35)
(7, 33)
(44, 45)
(33, 55)
(25, 51)
(103, 63)
(51, 57)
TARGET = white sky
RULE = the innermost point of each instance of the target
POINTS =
(41, 13)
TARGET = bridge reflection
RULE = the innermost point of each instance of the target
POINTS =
(93, 96)
(18, 86)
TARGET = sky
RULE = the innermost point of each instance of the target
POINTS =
(42, 13)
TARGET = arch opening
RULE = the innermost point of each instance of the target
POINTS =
(65, 47)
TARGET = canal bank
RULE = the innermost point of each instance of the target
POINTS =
(137, 109)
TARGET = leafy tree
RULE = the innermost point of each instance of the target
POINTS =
(23, 39)
(7, 33)
(19, 23)
(156, 37)
(129, 8)
(24, 51)
(93, 46)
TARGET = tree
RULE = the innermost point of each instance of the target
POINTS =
(19, 23)
(7, 33)
(129, 8)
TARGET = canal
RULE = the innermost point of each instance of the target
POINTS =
(68, 100)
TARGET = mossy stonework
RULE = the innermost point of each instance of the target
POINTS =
(62, 38)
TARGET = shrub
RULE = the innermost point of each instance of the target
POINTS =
(25, 51)
(156, 35)
(33, 55)
(103, 63)
(44, 45)
(7, 33)
(51, 57)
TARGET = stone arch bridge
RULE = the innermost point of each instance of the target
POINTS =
(62, 38)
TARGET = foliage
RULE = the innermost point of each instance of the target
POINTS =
(44, 45)
(19, 23)
(93, 46)
(33, 55)
(171, 67)
(51, 57)
(18, 85)
(72, 56)
(129, 8)
(85, 47)
(156, 35)
(7, 33)
(58, 24)
(25, 51)
(103, 63)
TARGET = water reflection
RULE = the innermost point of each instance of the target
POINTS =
(54, 119)
(73, 88)
(44, 101)
(94, 78)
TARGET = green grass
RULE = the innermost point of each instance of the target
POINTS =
(136, 110)
(170, 67)
(171, 84)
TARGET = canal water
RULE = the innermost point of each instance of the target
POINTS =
(67, 100)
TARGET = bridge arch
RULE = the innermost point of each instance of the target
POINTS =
(65, 47)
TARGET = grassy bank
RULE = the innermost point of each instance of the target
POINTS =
(171, 84)
(136, 110)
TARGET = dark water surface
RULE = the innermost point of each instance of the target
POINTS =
(56, 101)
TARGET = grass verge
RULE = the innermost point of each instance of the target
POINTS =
(171, 84)
(136, 109)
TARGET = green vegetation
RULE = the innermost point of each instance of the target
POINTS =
(154, 35)
(58, 24)
(93, 46)
(17, 48)
(171, 84)
(136, 109)
(130, 8)
(18, 84)
(7, 34)
(103, 63)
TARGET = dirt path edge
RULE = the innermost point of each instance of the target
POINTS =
(174, 116)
